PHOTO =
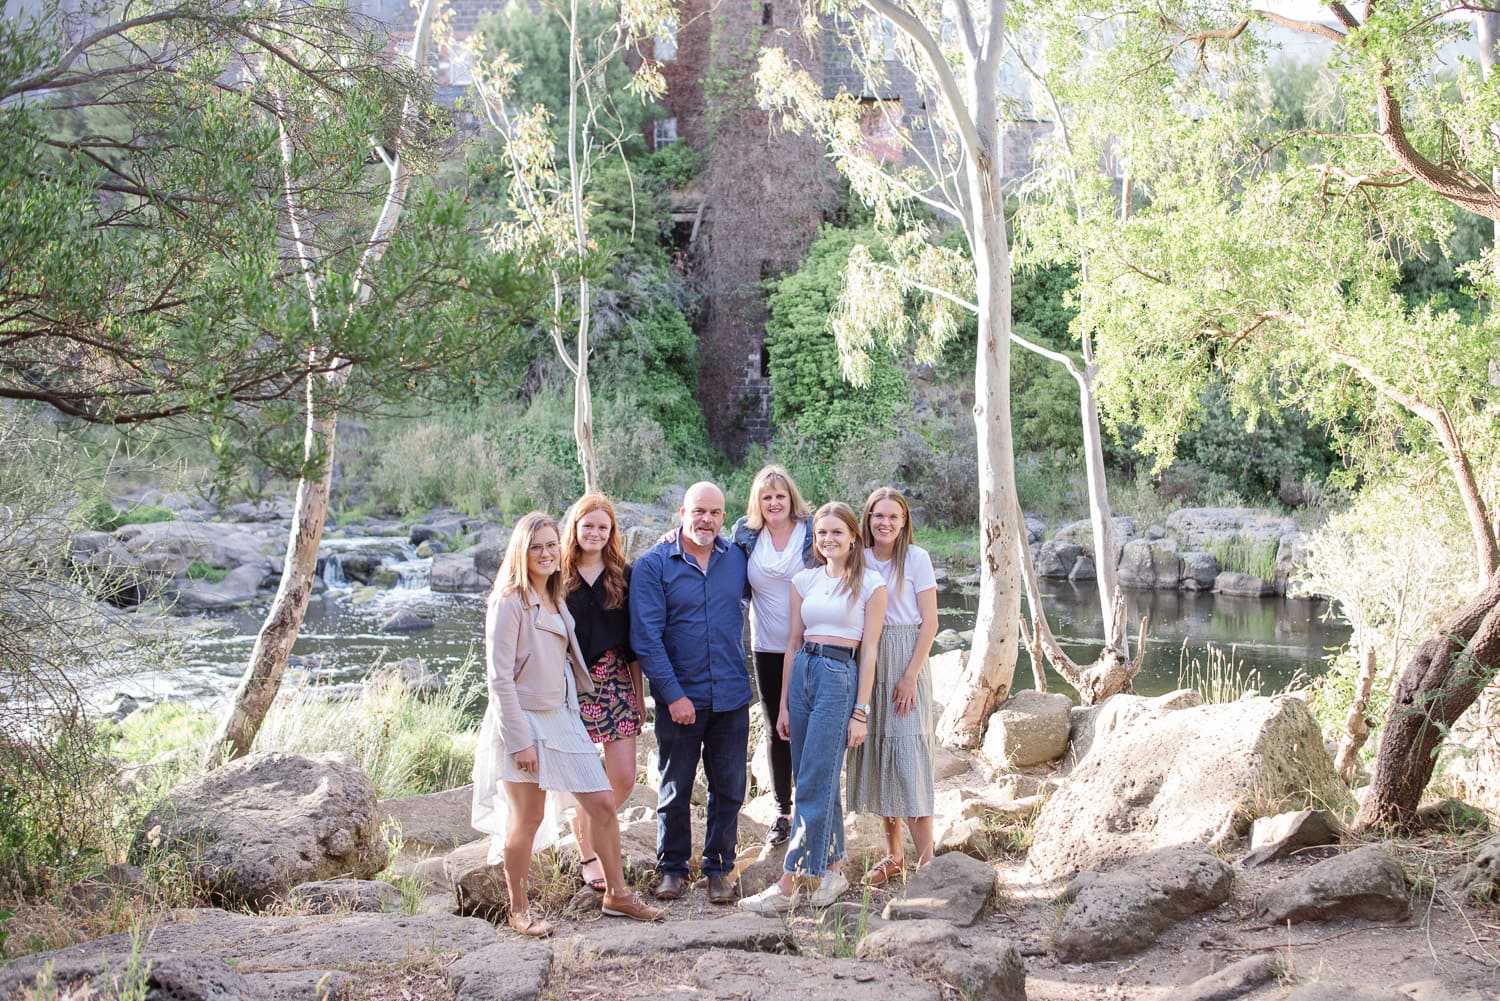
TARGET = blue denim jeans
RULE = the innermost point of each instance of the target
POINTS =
(819, 703)
(720, 740)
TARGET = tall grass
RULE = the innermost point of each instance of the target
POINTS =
(407, 745)
(1256, 557)
(1221, 677)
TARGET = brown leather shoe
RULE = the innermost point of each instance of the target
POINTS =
(628, 905)
(721, 890)
(671, 887)
(531, 927)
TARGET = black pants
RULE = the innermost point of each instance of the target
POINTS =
(768, 674)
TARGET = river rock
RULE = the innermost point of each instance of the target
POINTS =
(1234, 981)
(735, 930)
(256, 827)
(455, 573)
(756, 977)
(277, 509)
(1056, 559)
(504, 971)
(1365, 883)
(1085, 722)
(411, 673)
(638, 540)
(983, 971)
(952, 887)
(1200, 571)
(1029, 728)
(1185, 776)
(1322, 991)
(1036, 528)
(1150, 564)
(478, 885)
(109, 570)
(1279, 836)
(1125, 910)
(1083, 569)
(240, 587)
(1451, 815)
(1196, 527)
(1243, 585)
(1082, 534)
(404, 620)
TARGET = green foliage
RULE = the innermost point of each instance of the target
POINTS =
(675, 164)
(99, 515)
(811, 401)
(1252, 460)
(538, 38)
(54, 825)
(147, 269)
(152, 732)
(198, 570)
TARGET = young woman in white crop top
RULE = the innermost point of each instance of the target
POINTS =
(837, 610)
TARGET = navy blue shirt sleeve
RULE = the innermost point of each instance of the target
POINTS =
(648, 624)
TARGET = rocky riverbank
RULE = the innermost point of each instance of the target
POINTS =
(1140, 849)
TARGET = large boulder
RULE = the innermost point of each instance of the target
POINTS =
(953, 888)
(254, 828)
(1028, 729)
(109, 570)
(1196, 775)
(1123, 911)
(1479, 881)
(987, 971)
(1147, 563)
(1056, 559)
(1243, 585)
(239, 587)
(455, 573)
(172, 546)
(1082, 533)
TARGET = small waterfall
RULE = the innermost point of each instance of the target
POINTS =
(333, 572)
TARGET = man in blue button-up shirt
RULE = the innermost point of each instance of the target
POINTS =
(686, 626)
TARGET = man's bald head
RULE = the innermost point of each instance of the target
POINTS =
(702, 513)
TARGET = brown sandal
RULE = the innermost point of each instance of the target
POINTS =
(885, 870)
(527, 925)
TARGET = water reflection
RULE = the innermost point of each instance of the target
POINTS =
(1278, 637)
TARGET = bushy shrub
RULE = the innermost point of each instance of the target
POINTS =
(810, 400)
(1398, 563)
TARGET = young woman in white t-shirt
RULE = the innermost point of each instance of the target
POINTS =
(891, 774)
(777, 536)
(837, 610)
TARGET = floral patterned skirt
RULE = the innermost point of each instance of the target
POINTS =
(612, 711)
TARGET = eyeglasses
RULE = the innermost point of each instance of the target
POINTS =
(538, 548)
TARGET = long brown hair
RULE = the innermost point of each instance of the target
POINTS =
(854, 566)
(512, 576)
(613, 553)
(903, 539)
(770, 476)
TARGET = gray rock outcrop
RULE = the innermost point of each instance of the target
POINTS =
(757, 977)
(254, 828)
(455, 573)
(1147, 563)
(1188, 776)
(1479, 880)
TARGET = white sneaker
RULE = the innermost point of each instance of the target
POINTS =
(770, 901)
(830, 890)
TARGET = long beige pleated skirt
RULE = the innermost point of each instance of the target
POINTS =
(890, 775)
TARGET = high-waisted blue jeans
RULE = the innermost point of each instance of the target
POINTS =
(819, 703)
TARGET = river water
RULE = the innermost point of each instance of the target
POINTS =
(341, 638)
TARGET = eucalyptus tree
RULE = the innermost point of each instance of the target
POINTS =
(953, 169)
(547, 210)
(1267, 254)
(199, 230)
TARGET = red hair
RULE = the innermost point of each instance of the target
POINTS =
(613, 553)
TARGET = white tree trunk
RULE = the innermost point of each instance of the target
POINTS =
(262, 678)
(991, 667)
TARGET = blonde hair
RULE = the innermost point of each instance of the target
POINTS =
(613, 553)
(903, 539)
(513, 576)
(854, 567)
(767, 477)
